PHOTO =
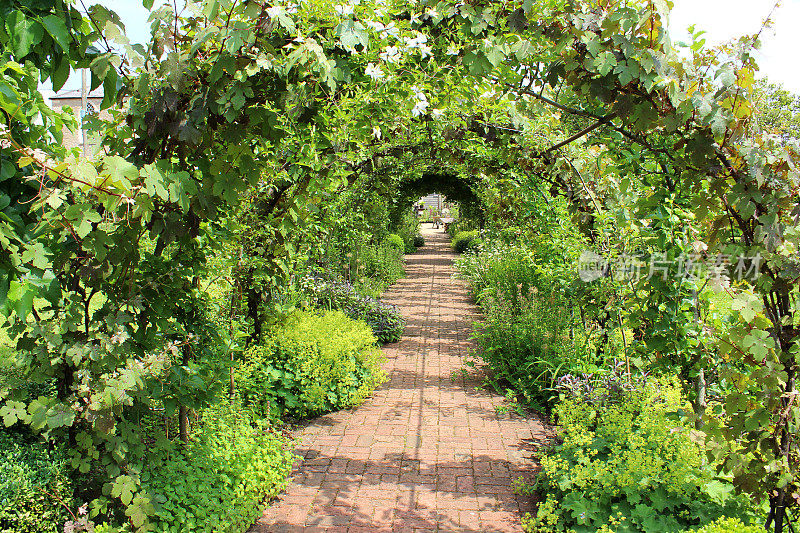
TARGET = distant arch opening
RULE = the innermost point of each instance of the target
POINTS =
(453, 188)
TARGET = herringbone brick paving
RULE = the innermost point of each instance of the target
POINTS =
(427, 452)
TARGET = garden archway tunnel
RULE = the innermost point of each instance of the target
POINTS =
(452, 186)
(654, 144)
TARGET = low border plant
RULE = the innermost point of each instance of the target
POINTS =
(222, 480)
(36, 492)
(626, 462)
(385, 320)
(312, 364)
(464, 241)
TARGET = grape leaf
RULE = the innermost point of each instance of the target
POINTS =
(57, 30)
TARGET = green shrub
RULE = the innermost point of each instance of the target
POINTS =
(531, 347)
(531, 336)
(419, 241)
(509, 266)
(459, 225)
(533, 332)
(627, 463)
(730, 525)
(395, 241)
(358, 261)
(33, 485)
(385, 320)
(221, 480)
(6, 356)
(315, 363)
(407, 227)
(466, 240)
(368, 288)
(35, 488)
(383, 262)
(503, 275)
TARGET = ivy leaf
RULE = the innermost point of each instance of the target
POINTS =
(101, 15)
(592, 42)
(181, 188)
(100, 66)
(139, 509)
(37, 411)
(726, 75)
(626, 72)
(718, 491)
(76, 354)
(279, 13)
(60, 416)
(702, 103)
(522, 49)
(201, 38)
(36, 255)
(12, 412)
(757, 343)
(120, 172)
(719, 122)
(83, 228)
(21, 298)
(495, 55)
(85, 172)
(747, 304)
(55, 200)
(236, 40)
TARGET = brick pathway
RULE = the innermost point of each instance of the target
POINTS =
(428, 451)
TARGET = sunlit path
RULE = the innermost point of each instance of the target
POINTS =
(428, 452)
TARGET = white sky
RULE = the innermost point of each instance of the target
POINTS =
(723, 20)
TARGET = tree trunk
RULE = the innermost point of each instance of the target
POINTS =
(236, 291)
(183, 424)
(252, 311)
(700, 399)
(699, 403)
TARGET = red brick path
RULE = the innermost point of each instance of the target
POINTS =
(428, 451)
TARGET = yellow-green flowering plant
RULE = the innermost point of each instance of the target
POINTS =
(625, 461)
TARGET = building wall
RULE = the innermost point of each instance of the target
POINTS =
(433, 201)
